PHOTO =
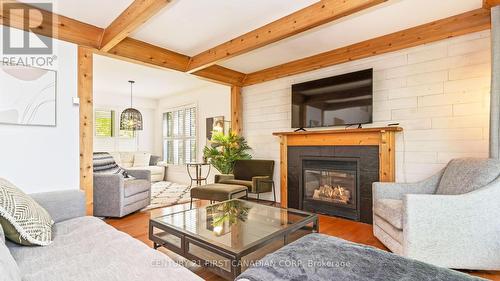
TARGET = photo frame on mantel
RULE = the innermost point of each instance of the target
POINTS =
(28, 96)
(215, 124)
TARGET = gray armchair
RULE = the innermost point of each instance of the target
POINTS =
(115, 196)
(451, 219)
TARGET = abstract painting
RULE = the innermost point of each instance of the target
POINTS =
(27, 95)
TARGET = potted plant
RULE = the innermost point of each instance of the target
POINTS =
(224, 149)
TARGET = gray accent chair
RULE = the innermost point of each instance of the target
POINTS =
(115, 196)
(85, 249)
(451, 219)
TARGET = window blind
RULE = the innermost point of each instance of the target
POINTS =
(179, 136)
(104, 123)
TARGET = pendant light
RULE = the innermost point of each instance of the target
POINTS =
(131, 118)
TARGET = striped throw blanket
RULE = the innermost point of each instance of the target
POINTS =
(105, 164)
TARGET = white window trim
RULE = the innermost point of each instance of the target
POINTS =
(164, 110)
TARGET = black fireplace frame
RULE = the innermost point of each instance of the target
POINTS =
(368, 157)
(327, 208)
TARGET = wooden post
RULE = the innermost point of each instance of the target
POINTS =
(85, 89)
(236, 109)
(284, 171)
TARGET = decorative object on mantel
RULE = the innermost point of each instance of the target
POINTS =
(224, 149)
(28, 95)
(131, 118)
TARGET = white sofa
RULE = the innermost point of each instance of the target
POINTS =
(134, 161)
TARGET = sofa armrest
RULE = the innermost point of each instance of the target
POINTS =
(465, 226)
(223, 177)
(261, 184)
(162, 164)
(109, 194)
(140, 174)
(62, 205)
(391, 190)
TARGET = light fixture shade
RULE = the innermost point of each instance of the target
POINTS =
(131, 120)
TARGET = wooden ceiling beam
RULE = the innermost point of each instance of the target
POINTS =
(129, 20)
(143, 53)
(312, 16)
(473, 21)
(488, 4)
(51, 25)
(220, 74)
(128, 49)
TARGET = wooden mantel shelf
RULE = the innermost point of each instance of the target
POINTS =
(341, 131)
(383, 137)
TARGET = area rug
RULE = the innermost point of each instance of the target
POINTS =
(164, 194)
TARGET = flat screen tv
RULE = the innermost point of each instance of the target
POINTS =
(335, 101)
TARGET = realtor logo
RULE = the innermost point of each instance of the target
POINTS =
(29, 19)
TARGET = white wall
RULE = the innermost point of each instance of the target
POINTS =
(144, 140)
(439, 93)
(39, 159)
(210, 101)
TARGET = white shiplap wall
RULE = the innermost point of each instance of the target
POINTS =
(439, 93)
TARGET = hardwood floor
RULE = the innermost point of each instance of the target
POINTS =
(137, 224)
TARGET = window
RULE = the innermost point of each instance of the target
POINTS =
(104, 120)
(179, 136)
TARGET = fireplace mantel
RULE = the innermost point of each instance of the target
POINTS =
(383, 137)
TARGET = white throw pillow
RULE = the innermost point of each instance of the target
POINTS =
(141, 159)
(116, 157)
(23, 220)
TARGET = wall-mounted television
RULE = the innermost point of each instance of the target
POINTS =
(334, 101)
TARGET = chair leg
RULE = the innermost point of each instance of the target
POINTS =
(258, 196)
(191, 204)
(274, 193)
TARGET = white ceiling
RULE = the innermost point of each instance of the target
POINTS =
(111, 76)
(193, 26)
(380, 20)
(96, 12)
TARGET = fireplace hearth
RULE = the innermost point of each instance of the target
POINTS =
(333, 180)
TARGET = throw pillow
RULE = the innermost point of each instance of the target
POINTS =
(117, 157)
(105, 164)
(141, 159)
(22, 219)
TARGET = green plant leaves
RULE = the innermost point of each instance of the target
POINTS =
(225, 149)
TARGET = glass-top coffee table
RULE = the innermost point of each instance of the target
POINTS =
(228, 237)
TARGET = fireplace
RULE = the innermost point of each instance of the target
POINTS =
(330, 186)
(333, 180)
